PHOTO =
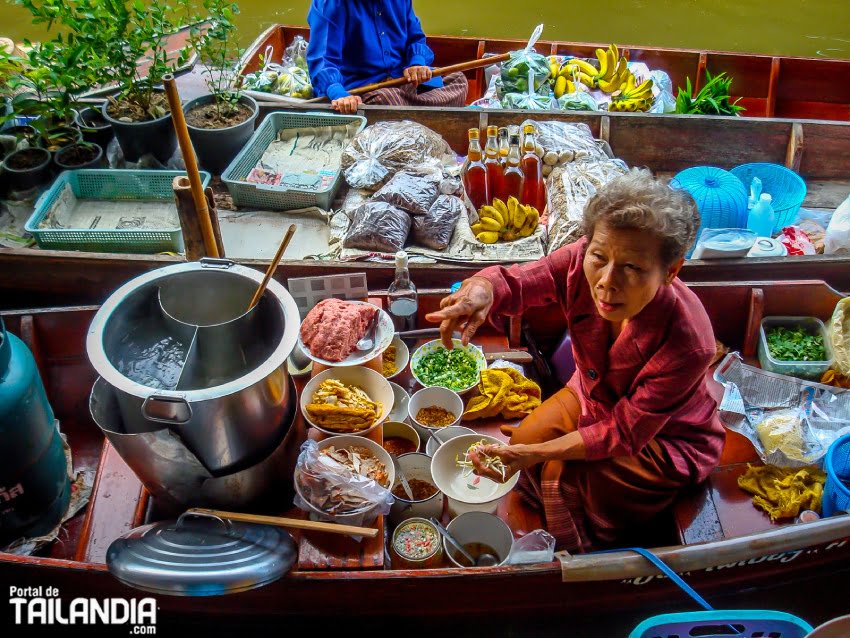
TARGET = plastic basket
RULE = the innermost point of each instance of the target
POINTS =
(110, 185)
(263, 196)
(836, 494)
(723, 624)
(787, 189)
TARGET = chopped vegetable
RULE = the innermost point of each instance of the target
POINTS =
(489, 462)
(786, 344)
(455, 369)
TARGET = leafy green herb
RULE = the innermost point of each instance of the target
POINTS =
(712, 99)
(795, 345)
(454, 369)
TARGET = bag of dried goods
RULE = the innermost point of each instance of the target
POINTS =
(562, 143)
(570, 187)
(411, 191)
(381, 150)
(435, 229)
(378, 226)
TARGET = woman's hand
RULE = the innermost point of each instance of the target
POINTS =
(464, 310)
(514, 458)
(347, 105)
(416, 75)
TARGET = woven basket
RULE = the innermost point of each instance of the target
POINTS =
(720, 198)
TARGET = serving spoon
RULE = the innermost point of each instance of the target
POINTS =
(368, 339)
(483, 560)
(401, 477)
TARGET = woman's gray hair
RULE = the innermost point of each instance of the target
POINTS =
(639, 201)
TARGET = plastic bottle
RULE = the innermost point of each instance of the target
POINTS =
(762, 219)
(495, 170)
(755, 191)
(532, 170)
(402, 297)
(475, 173)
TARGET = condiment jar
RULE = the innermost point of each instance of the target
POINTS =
(416, 544)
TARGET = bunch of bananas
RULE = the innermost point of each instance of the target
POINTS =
(631, 97)
(505, 221)
(563, 78)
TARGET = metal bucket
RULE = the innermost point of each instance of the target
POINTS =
(182, 353)
(175, 476)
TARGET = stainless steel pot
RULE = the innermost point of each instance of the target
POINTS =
(181, 352)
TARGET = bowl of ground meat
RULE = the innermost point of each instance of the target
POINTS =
(331, 330)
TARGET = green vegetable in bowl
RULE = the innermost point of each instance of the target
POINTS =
(786, 344)
(455, 369)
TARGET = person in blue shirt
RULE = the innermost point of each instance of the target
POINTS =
(359, 42)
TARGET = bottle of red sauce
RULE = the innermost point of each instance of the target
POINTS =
(495, 170)
(475, 173)
(533, 189)
(513, 176)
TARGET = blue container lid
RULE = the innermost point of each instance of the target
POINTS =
(456, 286)
(720, 196)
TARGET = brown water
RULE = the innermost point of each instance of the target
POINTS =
(813, 28)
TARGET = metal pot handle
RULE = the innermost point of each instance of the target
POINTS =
(172, 410)
(215, 262)
(228, 526)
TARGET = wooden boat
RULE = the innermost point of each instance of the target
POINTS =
(769, 86)
(819, 151)
(713, 534)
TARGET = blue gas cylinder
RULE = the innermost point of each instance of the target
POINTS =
(34, 486)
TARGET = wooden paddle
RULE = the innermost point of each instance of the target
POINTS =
(191, 162)
(292, 523)
(437, 73)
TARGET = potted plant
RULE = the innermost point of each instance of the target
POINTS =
(139, 113)
(222, 122)
(94, 127)
(79, 155)
(28, 168)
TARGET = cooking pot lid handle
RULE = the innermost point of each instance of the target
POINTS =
(215, 262)
(173, 410)
(228, 526)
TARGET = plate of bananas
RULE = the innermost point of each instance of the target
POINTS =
(505, 221)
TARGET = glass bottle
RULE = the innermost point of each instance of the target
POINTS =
(513, 177)
(494, 167)
(402, 298)
(532, 170)
(475, 173)
(504, 145)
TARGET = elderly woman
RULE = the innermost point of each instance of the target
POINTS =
(636, 424)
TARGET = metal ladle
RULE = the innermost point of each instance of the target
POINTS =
(483, 560)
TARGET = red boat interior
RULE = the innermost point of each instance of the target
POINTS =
(715, 510)
(799, 88)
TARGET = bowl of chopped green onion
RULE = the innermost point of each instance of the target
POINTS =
(458, 369)
(453, 474)
(795, 346)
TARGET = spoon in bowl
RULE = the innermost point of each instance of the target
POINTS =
(401, 477)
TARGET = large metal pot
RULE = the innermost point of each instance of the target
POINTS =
(182, 352)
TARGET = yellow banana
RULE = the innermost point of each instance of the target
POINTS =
(530, 224)
(611, 58)
(588, 81)
(614, 51)
(501, 208)
(487, 237)
(513, 206)
(584, 67)
(490, 224)
(610, 87)
(571, 88)
(520, 217)
(602, 56)
(489, 212)
(477, 228)
(560, 86)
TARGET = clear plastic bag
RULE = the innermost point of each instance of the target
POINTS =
(532, 99)
(381, 150)
(435, 229)
(328, 486)
(525, 72)
(785, 434)
(378, 226)
(572, 142)
(296, 53)
(413, 192)
(839, 335)
(837, 240)
(535, 547)
(577, 101)
(797, 241)
(662, 89)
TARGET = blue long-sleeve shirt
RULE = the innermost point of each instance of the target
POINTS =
(358, 42)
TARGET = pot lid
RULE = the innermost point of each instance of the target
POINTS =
(201, 555)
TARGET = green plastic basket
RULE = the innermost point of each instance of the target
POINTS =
(267, 197)
(110, 185)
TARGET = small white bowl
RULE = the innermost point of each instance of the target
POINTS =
(463, 496)
(446, 434)
(402, 356)
(404, 431)
(342, 441)
(478, 527)
(400, 400)
(434, 397)
(416, 466)
(436, 344)
(373, 383)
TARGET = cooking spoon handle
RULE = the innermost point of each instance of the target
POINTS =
(292, 523)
